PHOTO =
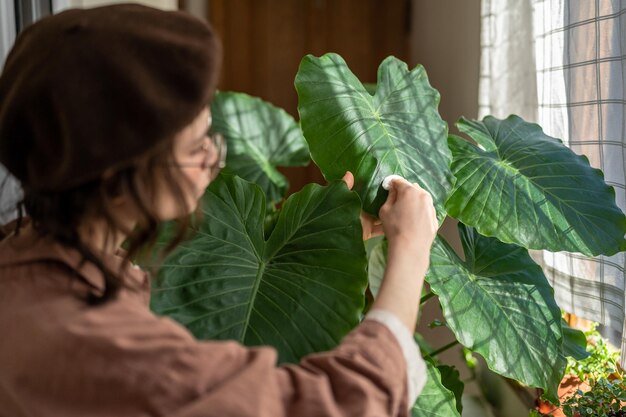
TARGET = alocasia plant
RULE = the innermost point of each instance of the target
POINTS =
(298, 281)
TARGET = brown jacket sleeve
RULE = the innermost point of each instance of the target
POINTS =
(175, 375)
(364, 376)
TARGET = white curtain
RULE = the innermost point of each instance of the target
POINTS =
(561, 63)
(10, 191)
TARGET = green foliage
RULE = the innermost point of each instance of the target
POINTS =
(602, 400)
(470, 359)
(377, 262)
(601, 362)
(574, 344)
(451, 379)
(435, 399)
(599, 370)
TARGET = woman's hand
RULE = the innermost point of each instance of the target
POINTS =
(371, 225)
(409, 217)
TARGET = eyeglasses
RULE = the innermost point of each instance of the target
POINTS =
(217, 142)
(213, 142)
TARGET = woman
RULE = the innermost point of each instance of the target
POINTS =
(103, 119)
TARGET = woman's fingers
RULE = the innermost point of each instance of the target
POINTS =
(397, 186)
(393, 193)
(371, 226)
(409, 214)
(377, 230)
(432, 207)
(348, 178)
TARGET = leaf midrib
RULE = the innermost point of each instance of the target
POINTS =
(253, 293)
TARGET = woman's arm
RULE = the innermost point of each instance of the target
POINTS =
(410, 225)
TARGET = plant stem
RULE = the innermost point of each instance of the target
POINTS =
(443, 348)
(427, 297)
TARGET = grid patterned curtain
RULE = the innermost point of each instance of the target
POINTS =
(562, 64)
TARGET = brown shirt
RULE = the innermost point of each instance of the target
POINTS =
(60, 357)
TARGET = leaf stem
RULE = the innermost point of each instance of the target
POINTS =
(426, 297)
(443, 348)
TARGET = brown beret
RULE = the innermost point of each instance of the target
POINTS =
(85, 90)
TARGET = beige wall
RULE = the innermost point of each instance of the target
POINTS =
(445, 39)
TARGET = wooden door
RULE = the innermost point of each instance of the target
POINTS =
(264, 41)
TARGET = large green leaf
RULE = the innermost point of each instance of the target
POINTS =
(435, 400)
(396, 131)
(525, 187)
(260, 137)
(498, 303)
(300, 290)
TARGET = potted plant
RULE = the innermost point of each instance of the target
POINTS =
(296, 277)
(593, 384)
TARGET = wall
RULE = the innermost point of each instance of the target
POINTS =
(446, 40)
